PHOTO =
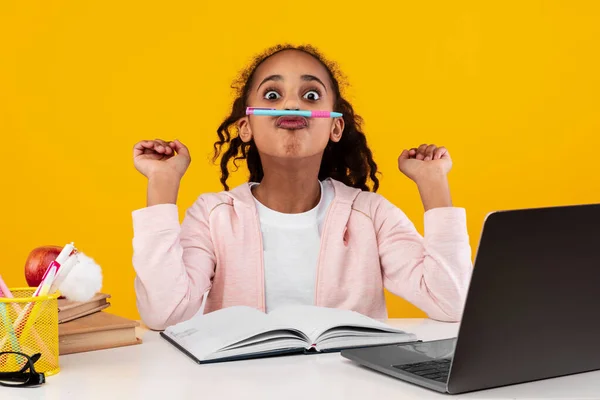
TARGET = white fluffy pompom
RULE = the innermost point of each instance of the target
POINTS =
(83, 281)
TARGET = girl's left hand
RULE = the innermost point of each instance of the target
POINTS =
(427, 162)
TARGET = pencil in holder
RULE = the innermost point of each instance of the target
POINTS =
(29, 325)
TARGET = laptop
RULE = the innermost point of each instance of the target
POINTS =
(532, 310)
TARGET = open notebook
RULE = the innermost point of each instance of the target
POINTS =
(241, 332)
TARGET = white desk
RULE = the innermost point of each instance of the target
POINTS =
(156, 370)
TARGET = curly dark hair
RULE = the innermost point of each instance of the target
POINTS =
(349, 161)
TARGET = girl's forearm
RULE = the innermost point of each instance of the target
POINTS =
(162, 189)
(435, 192)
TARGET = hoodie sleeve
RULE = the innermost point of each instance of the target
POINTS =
(174, 263)
(431, 271)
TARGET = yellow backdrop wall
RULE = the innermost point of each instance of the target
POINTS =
(511, 88)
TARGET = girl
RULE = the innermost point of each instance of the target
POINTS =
(307, 228)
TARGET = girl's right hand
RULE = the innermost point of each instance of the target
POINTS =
(151, 157)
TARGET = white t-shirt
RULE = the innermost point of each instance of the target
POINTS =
(291, 244)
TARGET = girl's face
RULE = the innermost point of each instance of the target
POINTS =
(291, 79)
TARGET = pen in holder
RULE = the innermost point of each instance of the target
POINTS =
(30, 325)
(29, 316)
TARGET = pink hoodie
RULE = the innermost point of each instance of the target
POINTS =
(367, 244)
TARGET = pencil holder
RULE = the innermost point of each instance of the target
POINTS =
(29, 325)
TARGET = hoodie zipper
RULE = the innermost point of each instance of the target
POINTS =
(321, 248)
(262, 261)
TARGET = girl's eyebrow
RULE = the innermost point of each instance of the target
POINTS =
(280, 78)
(270, 78)
(313, 78)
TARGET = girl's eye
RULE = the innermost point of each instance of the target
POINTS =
(272, 95)
(312, 95)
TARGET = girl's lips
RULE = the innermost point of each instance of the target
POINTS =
(292, 123)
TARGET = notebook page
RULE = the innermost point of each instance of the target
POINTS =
(314, 321)
(358, 341)
(260, 347)
(353, 332)
(266, 337)
(206, 334)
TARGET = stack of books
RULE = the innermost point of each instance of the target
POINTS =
(86, 326)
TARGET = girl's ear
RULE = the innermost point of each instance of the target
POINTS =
(244, 129)
(337, 128)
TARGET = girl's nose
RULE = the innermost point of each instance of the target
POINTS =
(291, 104)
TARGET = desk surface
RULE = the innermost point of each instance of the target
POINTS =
(156, 370)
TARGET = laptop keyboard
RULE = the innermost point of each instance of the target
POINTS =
(438, 370)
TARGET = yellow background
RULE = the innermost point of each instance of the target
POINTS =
(511, 88)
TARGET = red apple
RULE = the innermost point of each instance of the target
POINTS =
(38, 262)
